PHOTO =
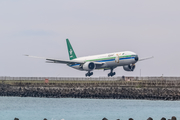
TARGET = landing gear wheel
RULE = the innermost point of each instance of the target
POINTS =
(89, 74)
(111, 73)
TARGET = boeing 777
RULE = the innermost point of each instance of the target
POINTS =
(108, 61)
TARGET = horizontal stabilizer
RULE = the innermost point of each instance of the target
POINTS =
(35, 56)
(146, 58)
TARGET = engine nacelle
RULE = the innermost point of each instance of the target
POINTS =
(129, 67)
(89, 66)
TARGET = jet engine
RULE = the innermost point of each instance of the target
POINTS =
(129, 67)
(89, 66)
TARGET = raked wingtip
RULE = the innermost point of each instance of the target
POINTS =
(26, 55)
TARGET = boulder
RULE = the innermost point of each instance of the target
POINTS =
(173, 118)
(104, 119)
(149, 118)
(163, 118)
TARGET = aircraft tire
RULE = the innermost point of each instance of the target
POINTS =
(113, 74)
(91, 73)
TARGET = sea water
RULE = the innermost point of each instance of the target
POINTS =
(28, 108)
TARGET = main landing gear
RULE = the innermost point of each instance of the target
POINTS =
(89, 73)
(111, 73)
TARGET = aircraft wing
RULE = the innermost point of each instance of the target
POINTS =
(51, 60)
(99, 63)
(70, 61)
(146, 58)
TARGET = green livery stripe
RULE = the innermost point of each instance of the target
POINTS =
(108, 58)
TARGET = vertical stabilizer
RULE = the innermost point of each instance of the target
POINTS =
(71, 52)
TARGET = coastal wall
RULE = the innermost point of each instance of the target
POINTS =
(150, 90)
(172, 118)
(97, 93)
(127, 78)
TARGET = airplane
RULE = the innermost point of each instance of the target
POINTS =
(108, 61)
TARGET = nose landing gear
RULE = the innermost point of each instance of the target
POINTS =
(111, 73)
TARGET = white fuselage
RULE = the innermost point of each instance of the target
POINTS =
(109, 60)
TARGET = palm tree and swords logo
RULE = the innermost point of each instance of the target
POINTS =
(70, 52)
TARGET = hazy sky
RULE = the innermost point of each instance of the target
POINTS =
(40, 28)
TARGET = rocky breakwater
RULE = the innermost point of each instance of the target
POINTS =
(91, 92)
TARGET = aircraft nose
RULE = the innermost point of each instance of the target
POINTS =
(136, 58)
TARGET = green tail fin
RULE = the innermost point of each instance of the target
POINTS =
(71, 52)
